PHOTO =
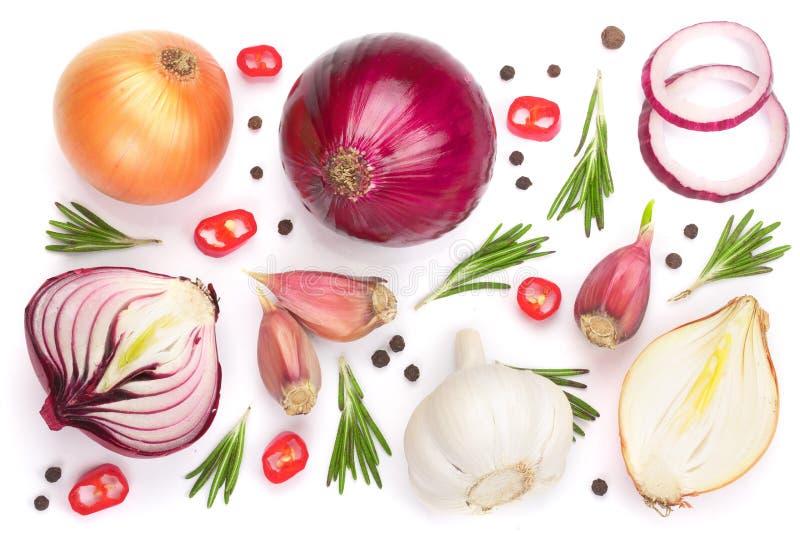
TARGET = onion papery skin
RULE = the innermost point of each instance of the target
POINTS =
(683, 181)
(137, 391)
(134, 129)
(699, 406)
(691, 116)
(388, 138)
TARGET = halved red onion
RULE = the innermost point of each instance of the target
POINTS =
(127, 356)
(679, 111)
(687, 183)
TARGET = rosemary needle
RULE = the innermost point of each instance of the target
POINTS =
(496, 254)
(736, 254)
(590, 181)
(223, 463)
(580, 408)
(355, 435)
(86, 232)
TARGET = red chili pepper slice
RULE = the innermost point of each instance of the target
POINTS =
(531, 117)
(102, 487)
(284, 457)
(261, 60)
(221, 234)
(539, 298)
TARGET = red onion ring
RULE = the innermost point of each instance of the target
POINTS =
(685, 114)
(126, 356)
(683, 181)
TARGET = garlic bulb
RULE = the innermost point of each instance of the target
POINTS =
(699, 406)
(487, 435)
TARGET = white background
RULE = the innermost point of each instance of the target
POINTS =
(38, 41)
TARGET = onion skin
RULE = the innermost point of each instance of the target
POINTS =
(136, 131)
(388, 138)
(76, 402)
(673, 182)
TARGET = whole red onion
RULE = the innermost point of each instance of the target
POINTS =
(388, 138)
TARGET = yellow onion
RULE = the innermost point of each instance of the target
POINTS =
(145, 117)
(699, 406)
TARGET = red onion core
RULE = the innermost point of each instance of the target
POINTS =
(348, 173)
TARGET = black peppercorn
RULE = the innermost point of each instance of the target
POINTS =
(612, 37)
(254, 122)
(285, 227)
(674, 260)
(690, 231)
(397, 343)
(599, 487)
(411, 373)
(516, 158)
(507, 72)
(554, 71)
(257, 172)
(53, 474)
(380, 358)
(523, 182)
(41, 503)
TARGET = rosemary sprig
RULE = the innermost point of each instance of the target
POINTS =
(223, 462)
(354, 437)
(86, 232)
(496, 254)
(580, 408)
(736, 253)
(590, 181)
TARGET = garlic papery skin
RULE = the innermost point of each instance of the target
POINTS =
(699, 406)
(287, 360)
(487, 435)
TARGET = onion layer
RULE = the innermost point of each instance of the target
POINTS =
(682, 180)
(127, 356)
(699, 406)
(688, 115)
(145, 117)
(388, 138)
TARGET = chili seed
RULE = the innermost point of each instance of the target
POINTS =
(690, 231)
(554, 71)
(254, 123)
(285, 227)
(257, 172)
(53, 474)
(507, 72)
(612, 37)
(516, 158)
(411, 373)
(674, 260)
(380, 358)
(397, 343)
(523, 182)
(599, 487)
(41, 503)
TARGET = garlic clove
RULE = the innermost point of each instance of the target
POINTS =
(699, 406)
(333, 306)
(287, 361)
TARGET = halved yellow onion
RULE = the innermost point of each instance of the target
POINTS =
(699, 406)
